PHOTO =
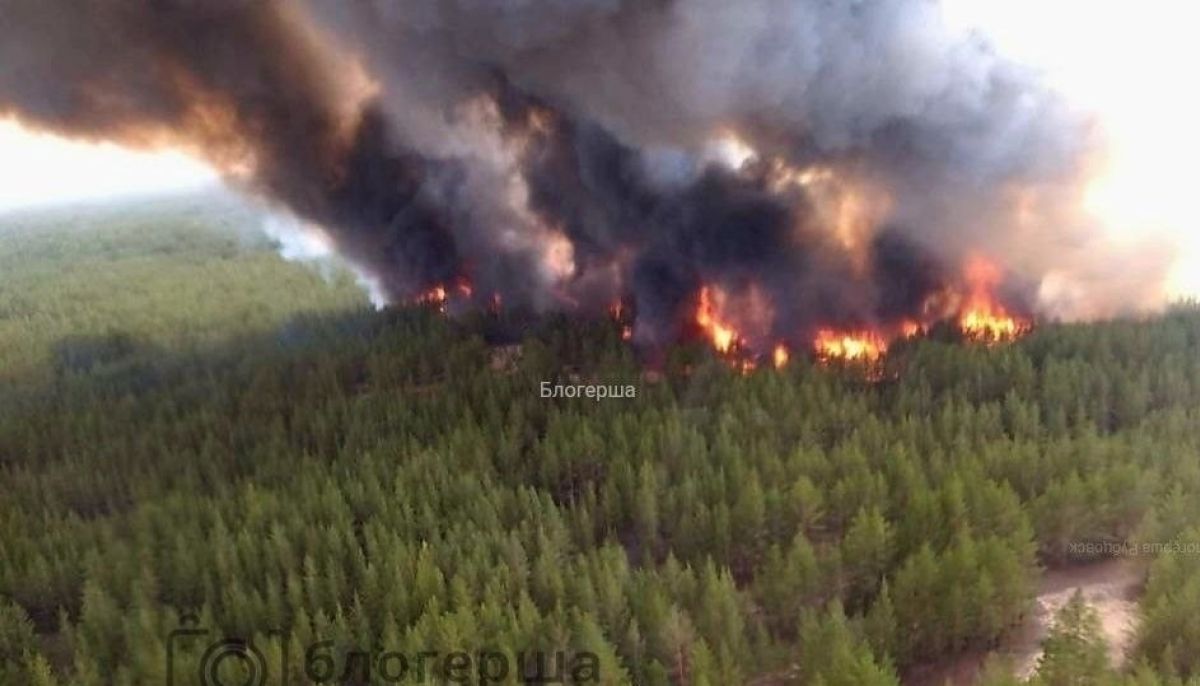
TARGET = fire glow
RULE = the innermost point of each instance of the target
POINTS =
(974, 307)
(721, 334)
(738, 323)
(855, 346)
(983, 317)
(850, 211)
(781, 204)
(438, 296)
(780, 356)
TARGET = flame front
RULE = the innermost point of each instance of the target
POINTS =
(741, 324)
(722, 335)
(438, 296)
(780, 356)
(982, 316)
(434, 297)
(865, 346)
(985, 324)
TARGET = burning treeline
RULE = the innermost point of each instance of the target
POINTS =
(772, 175)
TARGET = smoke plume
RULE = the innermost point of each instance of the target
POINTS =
(809, 164)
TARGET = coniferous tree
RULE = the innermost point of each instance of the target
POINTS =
(1074, 653)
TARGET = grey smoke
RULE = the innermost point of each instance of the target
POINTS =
(449, 171)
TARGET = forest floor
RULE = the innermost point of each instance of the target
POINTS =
(1111, 587)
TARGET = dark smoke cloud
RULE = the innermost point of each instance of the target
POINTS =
(560, 154)
(226, 76)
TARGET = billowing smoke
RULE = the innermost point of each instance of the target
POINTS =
(803, 164)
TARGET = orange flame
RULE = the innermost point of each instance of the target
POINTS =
(780, 356)
(981, 323)
(435, 297)
(849, 345)
(723, 336)
(982, 317)
(439, 295)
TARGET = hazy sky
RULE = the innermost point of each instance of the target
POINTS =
(1133, 64)
(39, 169)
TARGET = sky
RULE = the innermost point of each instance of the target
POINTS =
(1130, 62)
(38, 169)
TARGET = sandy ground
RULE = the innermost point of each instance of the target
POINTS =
(1111, 587)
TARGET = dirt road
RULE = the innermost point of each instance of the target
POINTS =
(1111, 587)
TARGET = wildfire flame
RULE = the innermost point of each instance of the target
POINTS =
(984, 324)
(723, 336)
(974, 306)
(780, 356)
(437, 296)
(865, 346)
(982, 317)
(852, 207)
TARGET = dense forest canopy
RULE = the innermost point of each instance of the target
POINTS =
(191, 425)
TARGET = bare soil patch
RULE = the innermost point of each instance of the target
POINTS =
(1111, 587)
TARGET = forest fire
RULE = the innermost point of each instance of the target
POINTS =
(865, 346)
(973, 305)
(983, 318)
(780, 356)
(438, 296)
(749, 213)
(723, 336)
(434, 297)
(988, 325)
(737, 324)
